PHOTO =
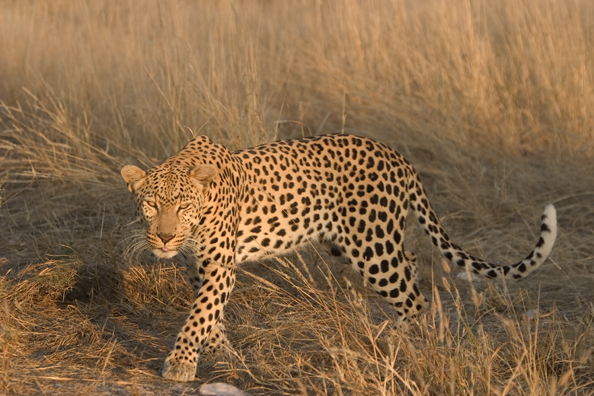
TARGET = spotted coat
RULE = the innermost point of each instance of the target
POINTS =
(220, 209)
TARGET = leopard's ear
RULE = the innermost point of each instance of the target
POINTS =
(203, 175)
(134, 176)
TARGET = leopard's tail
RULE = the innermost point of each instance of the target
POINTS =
(419, 203)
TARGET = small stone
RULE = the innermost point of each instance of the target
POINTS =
(220, 389)
(473, 277)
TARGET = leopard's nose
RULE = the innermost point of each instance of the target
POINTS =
(165, 237)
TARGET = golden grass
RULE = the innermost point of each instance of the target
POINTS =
(490, 100)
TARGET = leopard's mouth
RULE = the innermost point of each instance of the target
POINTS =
(164, 252)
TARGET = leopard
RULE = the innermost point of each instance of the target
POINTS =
(217, 209)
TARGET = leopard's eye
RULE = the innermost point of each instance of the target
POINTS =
(152, 204)
(184, 206)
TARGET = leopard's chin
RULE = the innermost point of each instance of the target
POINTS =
(165, 252)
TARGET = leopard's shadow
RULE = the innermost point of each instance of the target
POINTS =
(105, 294)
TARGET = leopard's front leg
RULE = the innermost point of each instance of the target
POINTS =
(206, 313)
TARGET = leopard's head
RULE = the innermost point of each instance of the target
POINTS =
(169, 200)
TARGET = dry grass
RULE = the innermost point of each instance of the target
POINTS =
(490, 100)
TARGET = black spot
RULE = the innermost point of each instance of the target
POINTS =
(383, 216)
(396, 261)
(530, 255)
(379, 249)
(407, 274)
(390, 226)
(379, 232)
(361, 227)
(402, 285)
(397, 237)
(389, 247)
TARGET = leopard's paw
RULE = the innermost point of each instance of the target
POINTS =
(176, 370)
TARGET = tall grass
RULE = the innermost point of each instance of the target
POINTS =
(490, 100)
(512, 74)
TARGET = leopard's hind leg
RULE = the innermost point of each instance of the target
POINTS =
(394, 278)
